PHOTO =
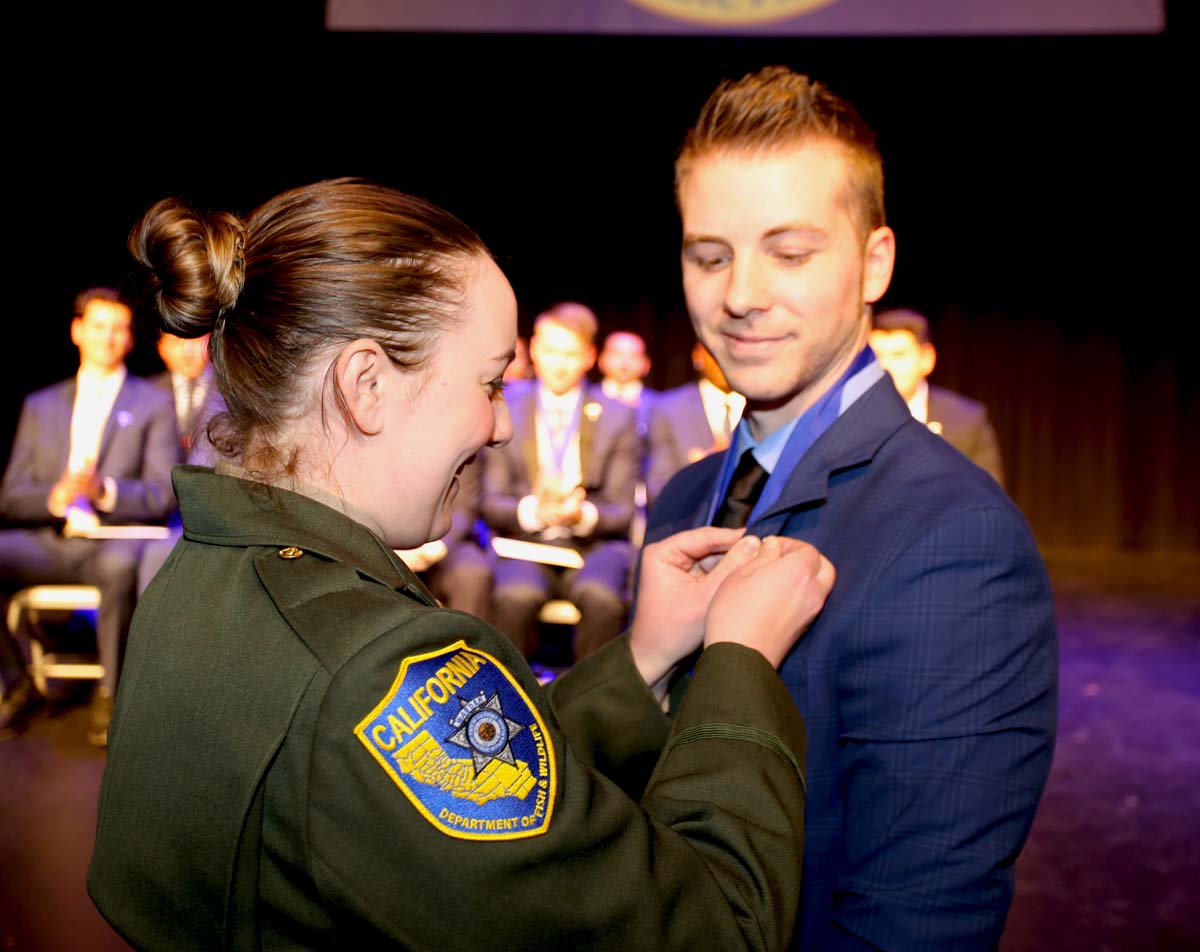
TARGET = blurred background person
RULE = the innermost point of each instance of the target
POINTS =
(690, 421)
(902, 343)
(94, 450)
(567, 478)
(624, 364)
(190, 381)
(520, 370)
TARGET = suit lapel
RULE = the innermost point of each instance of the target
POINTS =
(853, 439)
(122, 412)
(527, 413)
(59, 425)
(587, 435)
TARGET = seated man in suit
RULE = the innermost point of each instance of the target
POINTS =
(566, 478)
(691, 421)
(94, 450)
(901, 341)
(624, 364)
(190, 381)
(193, 388)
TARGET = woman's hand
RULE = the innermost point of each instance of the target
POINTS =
(769, 601)
(678, 579)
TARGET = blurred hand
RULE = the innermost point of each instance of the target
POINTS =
(560, 506)
(678, 578)
(75, 485)
(421, 558)
(769, 601)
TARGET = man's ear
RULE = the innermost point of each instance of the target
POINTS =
(928, 359)
(360, 378)
(879, 257)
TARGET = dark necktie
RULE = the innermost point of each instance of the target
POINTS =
(744, 489)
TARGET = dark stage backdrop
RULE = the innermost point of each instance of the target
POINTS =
(1036, 186)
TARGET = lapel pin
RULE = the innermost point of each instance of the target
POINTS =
(592, 411)
(124, 418)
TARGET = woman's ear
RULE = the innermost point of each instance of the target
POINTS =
(359, 378)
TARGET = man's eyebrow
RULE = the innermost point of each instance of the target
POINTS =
(808, 231)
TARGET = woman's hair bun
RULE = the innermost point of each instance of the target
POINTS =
(192, 265)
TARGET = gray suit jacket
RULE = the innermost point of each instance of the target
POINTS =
(193, 429)
(964, 424)
(677, 424)
(610, 461)
(137, 451)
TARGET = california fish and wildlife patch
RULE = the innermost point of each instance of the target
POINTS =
(466, 745)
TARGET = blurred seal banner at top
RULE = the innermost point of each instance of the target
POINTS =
(751, 17)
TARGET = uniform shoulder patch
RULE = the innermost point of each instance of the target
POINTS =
(466, 745)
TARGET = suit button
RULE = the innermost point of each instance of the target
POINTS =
(291, 552)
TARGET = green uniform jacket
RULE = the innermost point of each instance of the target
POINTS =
(250, 801)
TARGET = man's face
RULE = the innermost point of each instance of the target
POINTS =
(623, 358)
(104, 335)
(775, 273)
(186, 356)
(560, 357)
(904, 357)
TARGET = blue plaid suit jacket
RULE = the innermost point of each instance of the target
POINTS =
(928, 683)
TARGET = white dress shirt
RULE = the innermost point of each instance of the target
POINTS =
(720, 407)
(557, 412)
(628, 393)
(95, 394)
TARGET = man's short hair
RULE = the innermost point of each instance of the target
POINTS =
(903, 319)
(572, 315)
(84, 298)
(777, 108)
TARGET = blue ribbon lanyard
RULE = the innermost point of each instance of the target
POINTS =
(805, 431)
(558, 447)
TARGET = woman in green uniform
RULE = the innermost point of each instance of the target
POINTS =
(308, 752)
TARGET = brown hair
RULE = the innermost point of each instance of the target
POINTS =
(575, 317)
(903, 319)
(84, 298)
(776, 108)
(310, 269)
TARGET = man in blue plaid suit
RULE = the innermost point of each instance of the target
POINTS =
(928, 684)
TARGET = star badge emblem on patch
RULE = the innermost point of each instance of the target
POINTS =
(462, 740)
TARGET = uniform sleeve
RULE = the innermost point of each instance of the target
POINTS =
(609, 716)
(710, 858)
(948, 720)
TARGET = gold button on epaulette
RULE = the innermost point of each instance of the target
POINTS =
(291, 552)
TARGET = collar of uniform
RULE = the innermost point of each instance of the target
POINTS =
(225, 510)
